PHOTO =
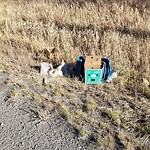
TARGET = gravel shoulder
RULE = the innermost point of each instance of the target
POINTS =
(21, 130)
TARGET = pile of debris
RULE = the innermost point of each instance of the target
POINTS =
(94, 69)
(61, 70)
(90, 69)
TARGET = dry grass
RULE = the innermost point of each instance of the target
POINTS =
(103, 115)
(50, 30)
(113, 116)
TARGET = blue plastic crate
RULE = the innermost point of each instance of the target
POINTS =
(93, 76)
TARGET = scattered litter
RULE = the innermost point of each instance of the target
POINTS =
(58, 71)
(61, 70)
(44, 68)
(107, 69)
(94, 69)
(93, 76)
(79, 67)
(113, 75)
(90, 69)
(92, 62)
(47, 69)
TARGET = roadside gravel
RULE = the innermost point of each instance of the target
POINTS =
(21, 130)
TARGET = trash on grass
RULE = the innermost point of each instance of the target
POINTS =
(107, 69)
(44, 68)
(62, 70)
(92, 62)
(79, 67)
(94, 69)
(113, 75)
(58, 71)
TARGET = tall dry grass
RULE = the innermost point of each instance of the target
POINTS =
(69, 28)
(32, 31)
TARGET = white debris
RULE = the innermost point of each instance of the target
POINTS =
(59, 68)
(113, 75)
(62, 70)
(44, 68)
(58, 71)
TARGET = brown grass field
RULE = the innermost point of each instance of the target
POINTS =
(114, 116)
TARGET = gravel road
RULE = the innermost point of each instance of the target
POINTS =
(20, 131)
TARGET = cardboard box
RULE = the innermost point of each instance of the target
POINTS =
(92, 62)
(93, 76)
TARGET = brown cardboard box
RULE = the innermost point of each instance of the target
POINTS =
(93, 62)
